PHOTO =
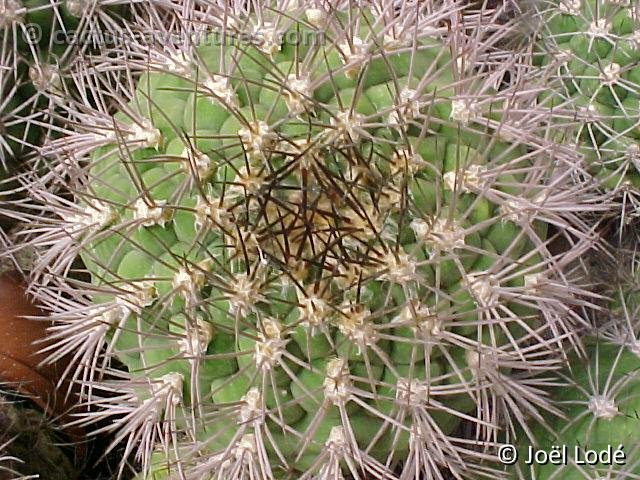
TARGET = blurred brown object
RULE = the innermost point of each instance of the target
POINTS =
(20, 363)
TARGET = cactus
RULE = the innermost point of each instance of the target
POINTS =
(33, 53)
(318, 241)
(600, 404)
(592, 49)
(41, 42)
(599, 387)
(13, 127)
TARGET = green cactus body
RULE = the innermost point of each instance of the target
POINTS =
(601, 404)
(308, 245)
(593, 49)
